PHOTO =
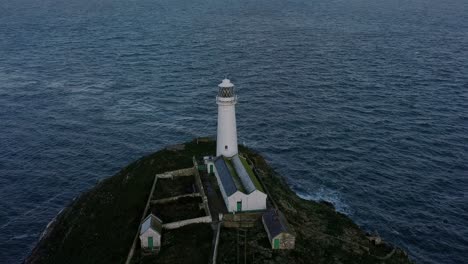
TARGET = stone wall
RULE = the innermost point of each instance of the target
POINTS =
(287, 241)
(177, 173)
(175, 225)
(241, 219)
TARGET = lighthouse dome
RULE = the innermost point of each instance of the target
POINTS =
(226, 89)
(226, 83)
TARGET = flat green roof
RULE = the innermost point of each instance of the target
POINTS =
(235, 176)
(252, 176)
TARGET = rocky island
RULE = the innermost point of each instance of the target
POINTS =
(100, 225)
(205, 201)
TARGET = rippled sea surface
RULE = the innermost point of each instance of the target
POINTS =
(363, 103)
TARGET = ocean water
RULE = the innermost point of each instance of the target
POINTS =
(363, 103)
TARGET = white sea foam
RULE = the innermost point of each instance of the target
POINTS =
(328, 195)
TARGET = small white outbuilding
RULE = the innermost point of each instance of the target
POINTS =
(150, 233)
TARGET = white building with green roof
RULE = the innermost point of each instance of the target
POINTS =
(239, 186)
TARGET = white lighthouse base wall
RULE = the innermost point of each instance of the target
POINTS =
(226, 143)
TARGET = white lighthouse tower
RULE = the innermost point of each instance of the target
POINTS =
(226, 143)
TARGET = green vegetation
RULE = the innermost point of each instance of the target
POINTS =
(99, 226)
(251, 174)
(173, 187)
(234, 174)
(258, 248)
(184, 208)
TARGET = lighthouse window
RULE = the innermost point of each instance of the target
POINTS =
(226, 92)
(225, 147)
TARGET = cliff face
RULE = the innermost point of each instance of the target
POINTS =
(99, 226)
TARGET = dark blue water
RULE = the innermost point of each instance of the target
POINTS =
(360, 102)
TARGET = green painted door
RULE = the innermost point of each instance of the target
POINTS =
(276, 243)
(150, 243)
(211, 168)
(239, 206)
